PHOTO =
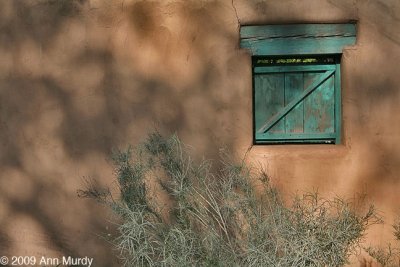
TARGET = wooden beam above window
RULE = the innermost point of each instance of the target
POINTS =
(297, 39)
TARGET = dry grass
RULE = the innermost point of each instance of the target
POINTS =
(216, 219)
(387, 256)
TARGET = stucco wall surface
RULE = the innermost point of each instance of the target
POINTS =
(81, 77)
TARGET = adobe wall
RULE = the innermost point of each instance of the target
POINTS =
(79, 78)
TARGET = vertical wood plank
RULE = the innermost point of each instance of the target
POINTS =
(293, 88)
(338, 105)
(269, 99)
(319, 108)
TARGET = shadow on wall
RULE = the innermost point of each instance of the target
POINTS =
(371, 106)
(78, 79)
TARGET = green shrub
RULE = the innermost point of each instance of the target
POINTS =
(219, 219)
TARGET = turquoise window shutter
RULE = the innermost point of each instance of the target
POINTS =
(296, 81)
(295, 104)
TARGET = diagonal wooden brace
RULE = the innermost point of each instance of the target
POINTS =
(278, 116)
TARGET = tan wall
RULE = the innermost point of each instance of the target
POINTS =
(78, 78)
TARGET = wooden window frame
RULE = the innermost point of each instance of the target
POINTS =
(259, 135)
(298, 40)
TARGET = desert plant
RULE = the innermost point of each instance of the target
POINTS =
(387, 256)
(396, 229)
(231, 217)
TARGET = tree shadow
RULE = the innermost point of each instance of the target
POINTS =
(79, 78)
(85, 78)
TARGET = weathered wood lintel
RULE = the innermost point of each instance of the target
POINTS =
(297, 39)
